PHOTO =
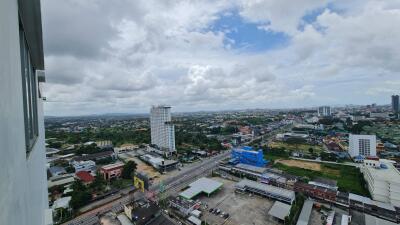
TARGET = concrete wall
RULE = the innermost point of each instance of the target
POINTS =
(23, 190)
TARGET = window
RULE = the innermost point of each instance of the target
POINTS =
(29, 92)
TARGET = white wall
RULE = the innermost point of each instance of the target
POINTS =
(23, 190)
(354, 144)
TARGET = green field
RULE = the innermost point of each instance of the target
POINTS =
(296, 147)
(349, 178)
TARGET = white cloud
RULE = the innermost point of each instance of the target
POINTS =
(280, 16)
(124, 57)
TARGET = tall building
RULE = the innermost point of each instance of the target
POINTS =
(324, 111)
(364, 145)
(162, 129)
(23, 181)
(395, 105)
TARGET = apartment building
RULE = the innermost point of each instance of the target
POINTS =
(23, 186)
(324, 111)
(364, 145)
(162, 129)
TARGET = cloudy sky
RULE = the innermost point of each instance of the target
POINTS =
(123, 56)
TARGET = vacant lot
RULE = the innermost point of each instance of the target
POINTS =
(300, 164)
(349, 178)
(296, 147)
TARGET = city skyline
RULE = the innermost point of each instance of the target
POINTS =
(225, 55)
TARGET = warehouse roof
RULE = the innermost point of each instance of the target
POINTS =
(372, 220)
(266, 188)
(203, 184)
(305, 213)
(280, 210)
(387, 173)
(251, 168)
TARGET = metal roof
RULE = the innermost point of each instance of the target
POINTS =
(251, 168)
(203, 184)
(276, 191)
(280, 210)
(372, 220)
(305, 213)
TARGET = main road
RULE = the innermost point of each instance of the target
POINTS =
(171, 184)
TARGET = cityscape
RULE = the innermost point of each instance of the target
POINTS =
(104, 124)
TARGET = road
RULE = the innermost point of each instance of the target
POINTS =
(172, 184)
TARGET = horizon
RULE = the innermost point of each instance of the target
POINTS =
(215, 111)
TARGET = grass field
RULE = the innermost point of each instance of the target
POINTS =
(296, 147)
(349, 178)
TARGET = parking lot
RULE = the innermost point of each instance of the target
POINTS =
(242, 208)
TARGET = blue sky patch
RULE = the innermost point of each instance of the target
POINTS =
(248, 36)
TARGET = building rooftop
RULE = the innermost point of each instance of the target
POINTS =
(203, 184)
(280, 210)
(266, 188)
(372, 220)
(305, 213)
(85, 176)
(143, 212)
(57, 170)
(369, 201)
(94, 156)
(62, 203)
(388, 174)
(251, 168)
(112, 166)
(124, 219)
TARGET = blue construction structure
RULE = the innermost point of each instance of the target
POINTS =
(247, 155)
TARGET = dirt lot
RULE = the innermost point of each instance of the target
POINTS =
(141, 166)
(300, 164)
(243, 209)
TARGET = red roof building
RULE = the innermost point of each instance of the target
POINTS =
(85, 177)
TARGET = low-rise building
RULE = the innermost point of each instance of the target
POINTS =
(61, 180)
(305, 213)
(183, 206)
(88, 166)
(266, 190)
(325, 183)
(145, 213)
(112, 170)
(57, 171)
(96, 156)
(315, 191)
(383, 180)
(85, 177)
(202, 185)
(279, 211)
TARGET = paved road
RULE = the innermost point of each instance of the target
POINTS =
(172, 184)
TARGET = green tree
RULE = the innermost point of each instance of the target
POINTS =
(128, 170)
(98, 184)
(80, 196)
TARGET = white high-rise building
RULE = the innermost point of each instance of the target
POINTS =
(324, 111)
(364, 145)
(162, 129)
(23, 181)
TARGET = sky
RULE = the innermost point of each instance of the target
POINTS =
(123, 56)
